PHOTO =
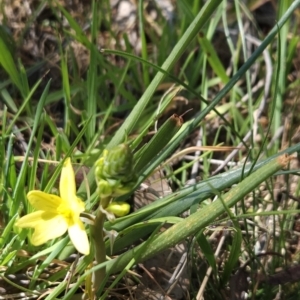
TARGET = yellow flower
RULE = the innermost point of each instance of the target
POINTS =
(55, 215)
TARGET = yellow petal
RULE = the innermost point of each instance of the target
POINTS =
(43, 201)
(31, 220)
(48, 229)
(67, 187)
(78, 205)
(79, 237)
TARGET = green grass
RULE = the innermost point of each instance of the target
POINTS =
(118, 99)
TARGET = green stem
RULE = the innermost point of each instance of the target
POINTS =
(99, 244)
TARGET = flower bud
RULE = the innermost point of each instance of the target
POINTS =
(118, 208)
(104, 189)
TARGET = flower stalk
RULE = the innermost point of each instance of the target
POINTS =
(99, 244)
(114, 177)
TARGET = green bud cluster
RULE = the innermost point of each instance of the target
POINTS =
(114, 172)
